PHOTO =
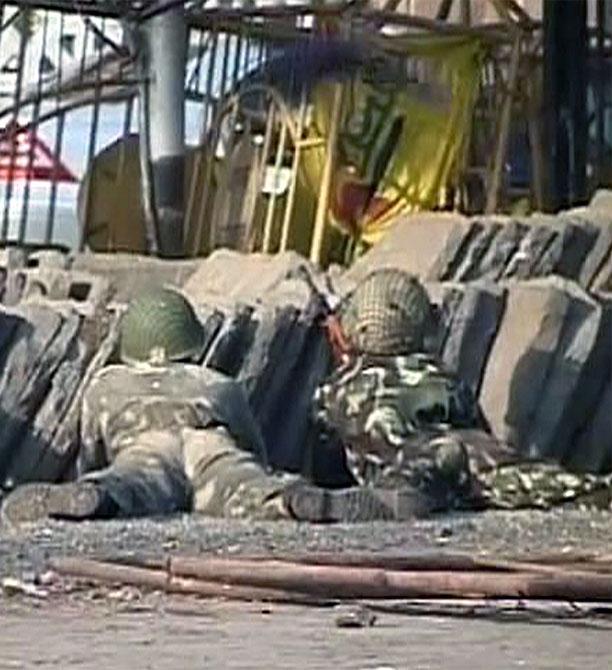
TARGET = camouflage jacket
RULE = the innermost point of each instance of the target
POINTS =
(382, 408)
(122, 401)
(387, 412)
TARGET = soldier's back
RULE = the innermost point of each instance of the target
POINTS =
(124, 400)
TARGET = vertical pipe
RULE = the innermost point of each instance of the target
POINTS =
(144, 155)
(535, 142)
(261, 172)
(194, 80)
(209, 109)
(25, 204)
(297, 155)
(93, 137)
(600, 98)
(59, 136)
(8, 194)
(208, 112)
(565, 88)
(503, 132)
(166, 36)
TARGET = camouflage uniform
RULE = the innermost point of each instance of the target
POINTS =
(177, 437)
(389, 413)
(393, 416)
(396, 413)
(160, 434)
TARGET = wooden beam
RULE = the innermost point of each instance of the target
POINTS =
(278, 160)
(466, 13)
(503, 133)
(297, 155)
(535, 142)
(327, 176)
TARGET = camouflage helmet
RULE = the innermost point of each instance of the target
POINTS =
(388, 313)
(160, 324)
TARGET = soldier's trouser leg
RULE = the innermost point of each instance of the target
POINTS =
(147, 477)
(228, 481)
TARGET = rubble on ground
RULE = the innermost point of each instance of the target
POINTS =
(525, 309)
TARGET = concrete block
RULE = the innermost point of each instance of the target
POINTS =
(130, 274)
(591, 448)
(472, 332)
(469, 267)
(568, 250)
(412, 244)
(227, 274)
(602, 200)
(40, 369)
(542, 375)
(502, 249)
(532, 246)
(457, 245)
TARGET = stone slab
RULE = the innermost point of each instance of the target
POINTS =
(412, 244)
(451, 256)
(520, 358)
(532, 246)
(469, 267)
(39, 372)
(474, 326)
(545, 369)
(575, 377)
(568, 251)
(503, 247)
(129, 274)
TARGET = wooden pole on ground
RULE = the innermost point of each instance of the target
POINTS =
(162, 580)
(355, 583)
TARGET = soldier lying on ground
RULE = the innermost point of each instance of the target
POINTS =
(407, 425)
(160, 434)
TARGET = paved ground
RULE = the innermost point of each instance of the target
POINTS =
(231, 637)
(130, 630)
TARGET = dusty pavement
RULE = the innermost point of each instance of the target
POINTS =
(126, 629)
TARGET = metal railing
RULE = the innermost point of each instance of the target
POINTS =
(73, 84)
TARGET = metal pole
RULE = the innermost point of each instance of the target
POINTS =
(166, 36)
(565, 89)
(600, 98)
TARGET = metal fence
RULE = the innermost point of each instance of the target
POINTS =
(68, 88)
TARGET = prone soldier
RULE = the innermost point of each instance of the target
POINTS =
(407, 425)
(161, 434)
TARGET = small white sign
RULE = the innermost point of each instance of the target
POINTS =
(276, 181)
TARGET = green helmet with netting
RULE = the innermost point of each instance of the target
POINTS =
(160, 325)
(388, 313)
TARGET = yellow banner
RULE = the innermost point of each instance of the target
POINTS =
(410, 141)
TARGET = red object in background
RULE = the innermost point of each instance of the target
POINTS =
(353, 200)
(25, 156)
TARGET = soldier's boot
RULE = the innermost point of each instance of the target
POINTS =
(75, 501)
(356, 504)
